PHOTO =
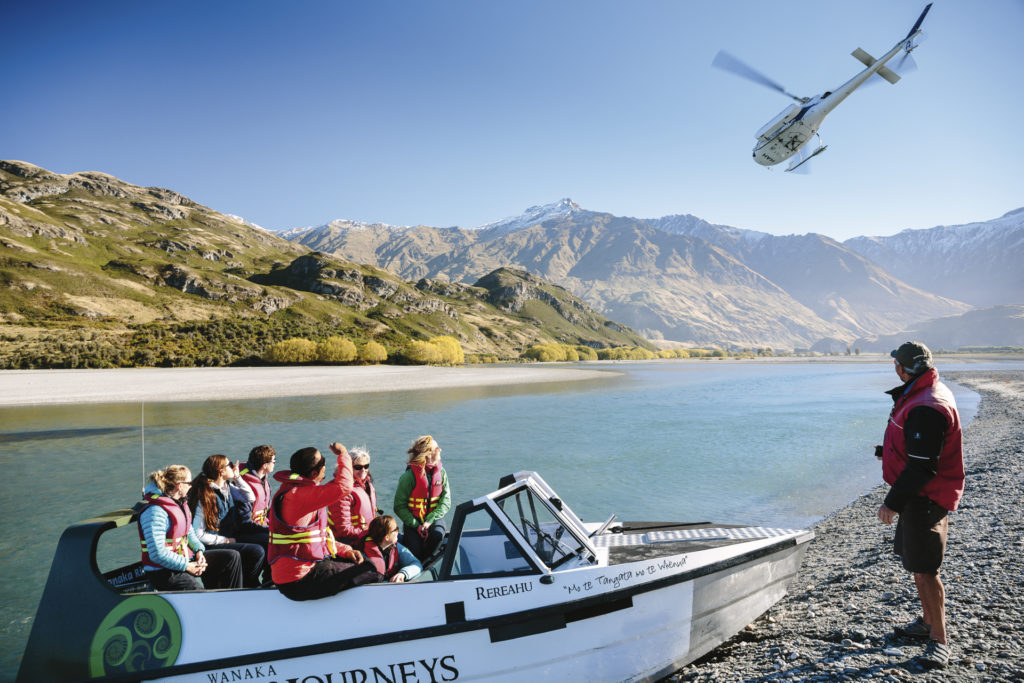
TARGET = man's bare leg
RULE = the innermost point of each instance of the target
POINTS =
(933, 601)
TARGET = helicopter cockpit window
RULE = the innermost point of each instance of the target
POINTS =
(543, 530)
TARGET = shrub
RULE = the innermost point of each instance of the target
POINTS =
(422, 352)
(336, 350)
(450, 350)
(625, 353)
(586, 353)
(545, 353)
(292, 350)
(372, 352)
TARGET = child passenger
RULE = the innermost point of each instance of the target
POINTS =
(393, 562)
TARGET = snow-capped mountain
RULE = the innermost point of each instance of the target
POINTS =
(535, 215)
(723, 236)
(340, 225)
(980, 263)
(250, 224)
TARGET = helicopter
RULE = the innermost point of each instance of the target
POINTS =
(789, 134)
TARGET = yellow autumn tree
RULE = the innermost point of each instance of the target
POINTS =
(292, 350)
(335, 350)
(372, 352)
(450, 350)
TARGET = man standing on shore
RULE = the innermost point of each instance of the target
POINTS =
(922, 461)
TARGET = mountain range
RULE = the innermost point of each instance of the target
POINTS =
(685, 279)
(88, 248)
(97, 271)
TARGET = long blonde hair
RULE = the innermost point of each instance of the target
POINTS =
(166, 479)
(421, 448)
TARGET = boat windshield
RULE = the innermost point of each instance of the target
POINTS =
(549, 537)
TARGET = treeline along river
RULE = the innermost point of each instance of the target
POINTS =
(776, 444)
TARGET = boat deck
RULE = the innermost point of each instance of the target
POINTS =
(637, 541)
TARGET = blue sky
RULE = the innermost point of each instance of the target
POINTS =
(460, 113)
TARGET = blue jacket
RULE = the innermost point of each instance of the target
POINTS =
(154, 523)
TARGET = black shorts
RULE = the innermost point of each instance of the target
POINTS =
(921, 535)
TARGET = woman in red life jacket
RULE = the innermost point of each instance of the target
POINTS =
(350, 517)
(393, 561)
(215, 516)
(422, 498)
(172, 555)
(256, 475)
(301, 543)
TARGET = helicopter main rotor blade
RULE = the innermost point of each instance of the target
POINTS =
(725, 61)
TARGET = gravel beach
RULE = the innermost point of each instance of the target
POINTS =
(836, 623)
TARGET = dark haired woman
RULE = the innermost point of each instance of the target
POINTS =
(305, 560)
(172, 555)
(216, 519)
(422, 498)
(392, 561)
(350, 517)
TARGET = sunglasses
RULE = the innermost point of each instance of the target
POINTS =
(361, 467)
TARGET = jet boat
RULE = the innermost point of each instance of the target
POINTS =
(522, 589)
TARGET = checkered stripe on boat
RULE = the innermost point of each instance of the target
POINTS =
(679, 535)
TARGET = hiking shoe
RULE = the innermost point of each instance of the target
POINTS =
(915, 629)
(936, 655)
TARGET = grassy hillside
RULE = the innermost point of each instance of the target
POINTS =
(96, 272)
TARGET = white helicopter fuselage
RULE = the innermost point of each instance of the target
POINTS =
(783, 136)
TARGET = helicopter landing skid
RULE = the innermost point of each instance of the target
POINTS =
(803, 156)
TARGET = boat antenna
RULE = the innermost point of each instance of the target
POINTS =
(143, 445)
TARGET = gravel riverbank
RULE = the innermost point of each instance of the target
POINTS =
(836, 623)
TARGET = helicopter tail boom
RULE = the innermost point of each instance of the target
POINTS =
(867, 60)
(919, 21)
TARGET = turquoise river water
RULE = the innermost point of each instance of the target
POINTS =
(777, 444)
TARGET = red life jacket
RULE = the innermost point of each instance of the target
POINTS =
(425, 494)
(306, 543)
(362, 507)
(383, 560)
(947, 486)
(176, 539)
(261, 488)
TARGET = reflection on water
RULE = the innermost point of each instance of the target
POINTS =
(47, 434)
(730, 442)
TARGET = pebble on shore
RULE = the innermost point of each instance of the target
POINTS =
(836, 622)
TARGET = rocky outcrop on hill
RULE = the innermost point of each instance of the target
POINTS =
(350, 286)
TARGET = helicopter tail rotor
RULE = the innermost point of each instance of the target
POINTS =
(725, 61)
(905, 64)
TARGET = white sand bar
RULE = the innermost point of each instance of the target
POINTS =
(134, 385)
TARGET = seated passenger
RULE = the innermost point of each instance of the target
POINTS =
(350, 517)
(172, 555)
(256, 476)
(300, 539)
(422, 498)
(216, 520)
(393, 561)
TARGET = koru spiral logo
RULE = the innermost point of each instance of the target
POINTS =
(140, 633)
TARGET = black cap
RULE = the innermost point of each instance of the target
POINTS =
(914, 356)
